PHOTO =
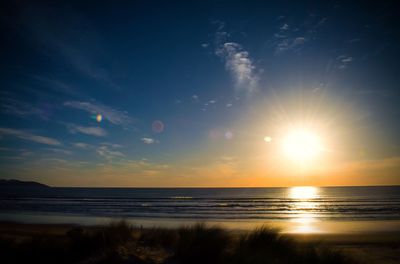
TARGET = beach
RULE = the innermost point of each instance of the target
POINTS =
(200, 132)
(372, 247)
(360, 222)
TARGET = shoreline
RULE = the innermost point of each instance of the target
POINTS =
(60, 228)
(304, 225)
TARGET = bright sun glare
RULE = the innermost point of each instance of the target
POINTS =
(301, 145)
(303, 192)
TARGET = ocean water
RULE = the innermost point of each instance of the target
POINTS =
(222, 204)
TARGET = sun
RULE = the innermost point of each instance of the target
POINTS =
(301, 145)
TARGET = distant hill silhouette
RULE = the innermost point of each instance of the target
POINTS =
(17, 183)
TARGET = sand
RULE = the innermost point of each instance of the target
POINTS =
(377, 247)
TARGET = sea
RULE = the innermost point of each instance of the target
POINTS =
(180, 205)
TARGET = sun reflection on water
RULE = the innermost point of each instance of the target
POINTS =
(303, 206)
(303, 192)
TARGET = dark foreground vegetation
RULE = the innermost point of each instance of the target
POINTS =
(121, 243)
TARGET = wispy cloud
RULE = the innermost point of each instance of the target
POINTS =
(285, 26)
(114, 116)
(113, 145)
(79, 44)
(51, 161)
(344, 61)
(286, 44)
(22, 109)
(92, 131)
(109, 152)
(28, 136)
(287, 38)
(82, 145)
(238, 62)
(57, 86)
(210, 104)
(147, 140)
(60, 151)
(292, 37)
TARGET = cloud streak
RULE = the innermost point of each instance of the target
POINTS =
(286, 44)
(21, 109)
(148, 141)
(29, 136)
(293, 37)
(60, 151)
(81, 145)
(91, 131)
(109, 153)
(344, 61)
(114, 116)
(78, 39)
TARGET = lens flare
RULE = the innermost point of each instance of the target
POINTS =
(267, 139)
(228, 135)
(157, 126)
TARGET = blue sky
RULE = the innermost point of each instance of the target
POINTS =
(187, 91)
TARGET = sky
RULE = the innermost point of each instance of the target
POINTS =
(199, 93)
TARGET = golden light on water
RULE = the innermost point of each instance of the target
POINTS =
(303, 205)
(303, 192)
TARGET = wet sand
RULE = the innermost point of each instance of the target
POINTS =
(303, 225)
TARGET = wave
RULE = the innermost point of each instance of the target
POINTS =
(346, 204)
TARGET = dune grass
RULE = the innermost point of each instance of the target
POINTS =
(120, 242)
